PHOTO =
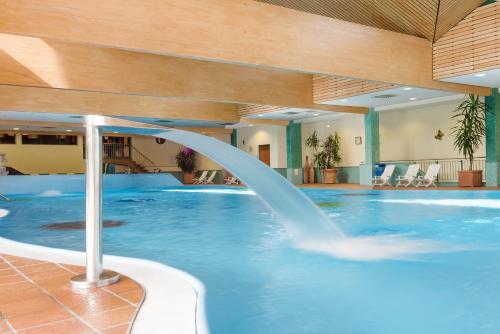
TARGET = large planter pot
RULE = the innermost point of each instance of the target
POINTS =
(470, 178)
(188, 177)
(329, 176)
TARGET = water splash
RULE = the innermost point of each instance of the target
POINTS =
(376, 248)
(51, 193)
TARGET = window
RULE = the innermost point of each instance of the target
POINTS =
(49, 139)
(6, 138)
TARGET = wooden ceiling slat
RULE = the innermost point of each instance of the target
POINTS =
(412, 17)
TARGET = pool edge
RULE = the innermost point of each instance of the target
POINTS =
(157, 314)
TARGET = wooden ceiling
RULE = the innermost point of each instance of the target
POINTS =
(411, 17)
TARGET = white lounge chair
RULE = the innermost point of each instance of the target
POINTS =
(409, 177)
(211, 178)
(385, 178)
(200, 179)
(231, 180)
(429, 179)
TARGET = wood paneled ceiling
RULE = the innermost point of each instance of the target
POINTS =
(411, 17)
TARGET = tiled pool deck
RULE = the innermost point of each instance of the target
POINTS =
(36, 297)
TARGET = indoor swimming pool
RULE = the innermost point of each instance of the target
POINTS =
(259, 281)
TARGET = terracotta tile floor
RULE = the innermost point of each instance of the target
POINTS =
(36, 298)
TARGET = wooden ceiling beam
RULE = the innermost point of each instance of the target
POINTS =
(237, 32)
(28, 61)
(60, 101)
(278, 122)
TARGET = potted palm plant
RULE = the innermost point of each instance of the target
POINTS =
(185, 161)
(327, 155)
(469, 133)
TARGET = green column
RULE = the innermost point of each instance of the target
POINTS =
(372, 147)
(234, 138)
(493, 139)
(294, 152)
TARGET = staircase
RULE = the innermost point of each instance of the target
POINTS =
(121, 154)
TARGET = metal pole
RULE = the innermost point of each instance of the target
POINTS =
(95, 276)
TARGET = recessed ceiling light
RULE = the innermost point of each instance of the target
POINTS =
(413, 98)
(344, 100)
(15, 129)
(250, 124)
(260, 115)
(69, 130)
(328, 125)
(115, 132)
(315, 114)
(407, 88)
(480, 75)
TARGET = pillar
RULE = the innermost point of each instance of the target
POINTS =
(372, 147)
(234, 138)
(294, 152)
(94, 276)
(493, 139)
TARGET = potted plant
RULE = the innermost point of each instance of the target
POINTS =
(469, 133)
(328, 156)
(185, 161)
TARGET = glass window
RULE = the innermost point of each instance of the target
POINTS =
(49, 139)
(7, 138)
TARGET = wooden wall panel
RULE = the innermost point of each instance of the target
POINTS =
(471, 46)
(328, 88)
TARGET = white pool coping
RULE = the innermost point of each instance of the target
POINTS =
(174, 300)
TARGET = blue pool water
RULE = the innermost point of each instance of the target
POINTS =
(258, 282)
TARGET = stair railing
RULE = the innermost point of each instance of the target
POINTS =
(140, 158)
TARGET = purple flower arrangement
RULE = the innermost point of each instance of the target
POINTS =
(185, 159)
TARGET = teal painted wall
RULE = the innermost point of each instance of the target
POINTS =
(234, 138)
(372, 147)
(493, 139)
(294, 153)
(294, 145)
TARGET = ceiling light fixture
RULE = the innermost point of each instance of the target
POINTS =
(69, 130)
(480, 75)
(315, 114)
(344, 100)
(328, 125)
(413, 98)
(407, 88)
(250, 124)
(15, 129)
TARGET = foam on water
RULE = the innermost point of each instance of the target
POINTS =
(478, 203)
(388, 247)
(215, 191)
(51, 193)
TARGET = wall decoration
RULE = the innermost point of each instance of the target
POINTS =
(358, 140)
(439, 135)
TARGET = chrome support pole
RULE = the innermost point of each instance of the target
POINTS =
(95, 276)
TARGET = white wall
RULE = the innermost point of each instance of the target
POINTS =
(257, 135)
(408, 134)
(163, 155)
(348, 128)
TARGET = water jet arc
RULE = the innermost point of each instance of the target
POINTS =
(302, 218)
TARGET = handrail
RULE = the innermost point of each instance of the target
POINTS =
(142, 155)
(449, 167)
